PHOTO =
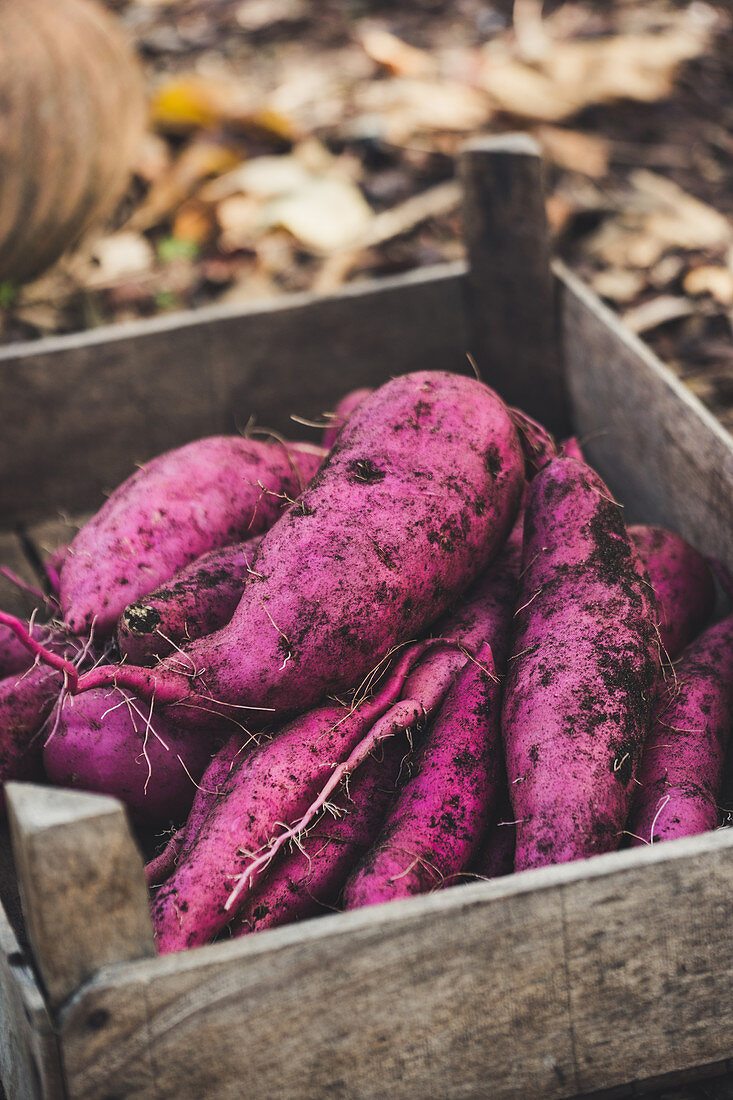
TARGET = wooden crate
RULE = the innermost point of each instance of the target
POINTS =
(549, 983)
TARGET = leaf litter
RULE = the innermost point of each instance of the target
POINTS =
(297, 147)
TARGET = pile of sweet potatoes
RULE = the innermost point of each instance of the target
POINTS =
(429, 649)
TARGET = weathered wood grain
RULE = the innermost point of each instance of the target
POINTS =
(132, 391)
(79, 412)
(546, 984)
(29, 1059)
(81, 884)
(383, 1002)
(509, 286)
(662, 453)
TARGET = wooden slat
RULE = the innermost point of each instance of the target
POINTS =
(544, 984)
(662, 453)
(387, 1002)
(78, 412)
(81, 882)
(510, 303)
(252, 358)
(29, 1059)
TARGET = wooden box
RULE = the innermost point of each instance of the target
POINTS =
(549, 983)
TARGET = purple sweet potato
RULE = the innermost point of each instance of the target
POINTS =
(53, 565)
(570, 448)
(346, 406)
(682, 582)
(15, 655)
(440, 814)
(26, 703)
(104, 743)
(198, 600)
(682, 767)
(416, 497)
(212, 781)
(209, 493)
(485, 610)
(583, 671)
(483, 614)
(273, 784)
(308, 880)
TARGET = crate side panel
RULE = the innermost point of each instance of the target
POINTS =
(302, 360)
(78, 414)
(428, 1005)
(29, 1058)
(661, 452)
(650, 959)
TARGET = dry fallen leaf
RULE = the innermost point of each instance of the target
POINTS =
(391, 223)
(188, 102)
(312, 87)
(407, 106)
(325, 215)
(656, 312)
(585, 153)
(194, 222)
(568, 75)
(437, 200)
(658, 216)
(710, 279)
(200, 159)
(394, 55)
(251, 287)
(625, 243)
(256, 14)
(240, 219)
(269, 177)
(677, 218)
(120, 256)
(196, 101)
(45, 316)
(618, 284)
(665, 271)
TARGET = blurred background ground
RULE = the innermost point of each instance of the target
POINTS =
(297, 146)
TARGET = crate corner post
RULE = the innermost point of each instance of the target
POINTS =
(81, 884)
(510, 295)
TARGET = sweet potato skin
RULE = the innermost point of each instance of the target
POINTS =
(440, 814)
(308, 880)
(26, 702)
(100, 745)
(206, 494)
(682, 582)
(582, 673)
(416, 497)
(682, 767)
(14, 655)
(414, 521)
(346, 406)
(217, 772)
(273, 783)
(198, 600)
